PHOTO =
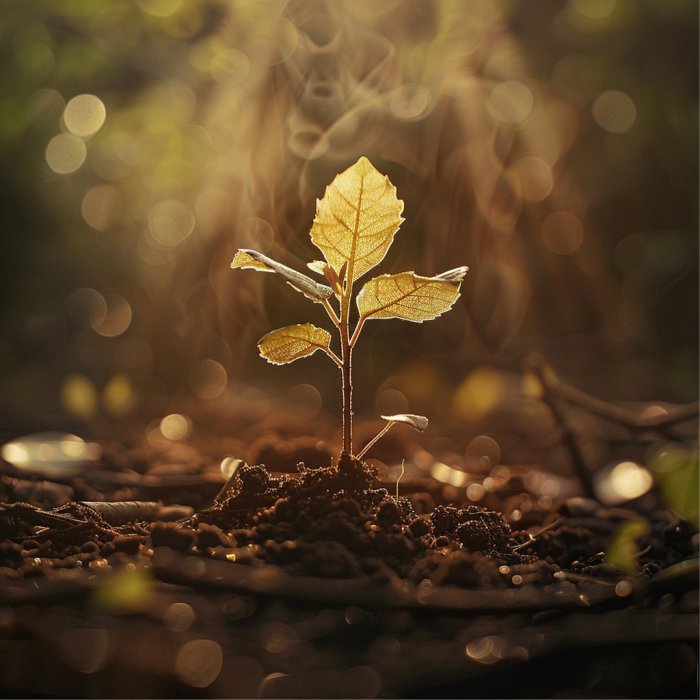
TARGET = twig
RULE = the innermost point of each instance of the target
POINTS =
(533, 538)
(542, 370)
(604, 409)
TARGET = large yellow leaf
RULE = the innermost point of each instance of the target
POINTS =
(292, 342)
(409, 296)
(252, 259)
(357, 218)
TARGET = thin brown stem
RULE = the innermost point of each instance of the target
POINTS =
(380, 434)
(346, 366)
(333, 357)
(331, 312)
(356, 332)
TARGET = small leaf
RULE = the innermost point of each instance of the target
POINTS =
(254, 260)
(420, 423)
(293, 342)
(329, 273)
(356, 220)
(409, 296)
(623, 552)
(677, 470)
(317, 266)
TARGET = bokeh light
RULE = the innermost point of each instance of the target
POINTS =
(79, 396)
(101, 206)
(117, 318)
(622, 482)
(199, 662)
(535, 176)
(52, 454)
(614, 111)
(511, 102)
(208, 379)
(175, 426)
(179, 617)
(562, 232)
(84, 115)
(170, 222)
(65, 153)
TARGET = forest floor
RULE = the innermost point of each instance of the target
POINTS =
(149, 574)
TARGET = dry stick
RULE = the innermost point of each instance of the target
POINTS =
(619, 414)
(533, 538)
(35, 516)
(569, 438)
(121, 512)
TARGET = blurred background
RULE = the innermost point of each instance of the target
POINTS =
(551, 146)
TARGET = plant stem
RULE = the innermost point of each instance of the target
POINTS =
(331, 312)
(346, 367)
(381, 433)
(346, 370)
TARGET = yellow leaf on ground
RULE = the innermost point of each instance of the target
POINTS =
(409, 296)
(293, 342)
(357, 218)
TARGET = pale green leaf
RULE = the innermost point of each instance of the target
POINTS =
(293, 342)
(409, 296)
(677, 469)
(623, 551)
(357, 218)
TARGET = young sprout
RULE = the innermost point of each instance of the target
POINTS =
(420, 423)
(355, 224)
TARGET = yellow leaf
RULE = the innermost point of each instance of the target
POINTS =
(254, 260)
(245, 259)
(409, 296)
(292, 342)
(356, 220)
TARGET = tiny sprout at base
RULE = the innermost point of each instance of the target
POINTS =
(355, 224)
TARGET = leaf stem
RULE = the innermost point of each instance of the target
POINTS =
(356, 332)
(379, 435)
(331, 312)
(333, 357)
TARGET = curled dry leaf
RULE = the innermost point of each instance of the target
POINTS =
(420, 423)
(252, 259)
(409, 296)
(293, 342)
(356, 219)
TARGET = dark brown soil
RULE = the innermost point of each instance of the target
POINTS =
(318, 582)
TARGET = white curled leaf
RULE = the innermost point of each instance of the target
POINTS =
(420, 423)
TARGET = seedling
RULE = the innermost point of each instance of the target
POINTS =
(355, 224)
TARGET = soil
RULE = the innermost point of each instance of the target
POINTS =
(148, 576)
